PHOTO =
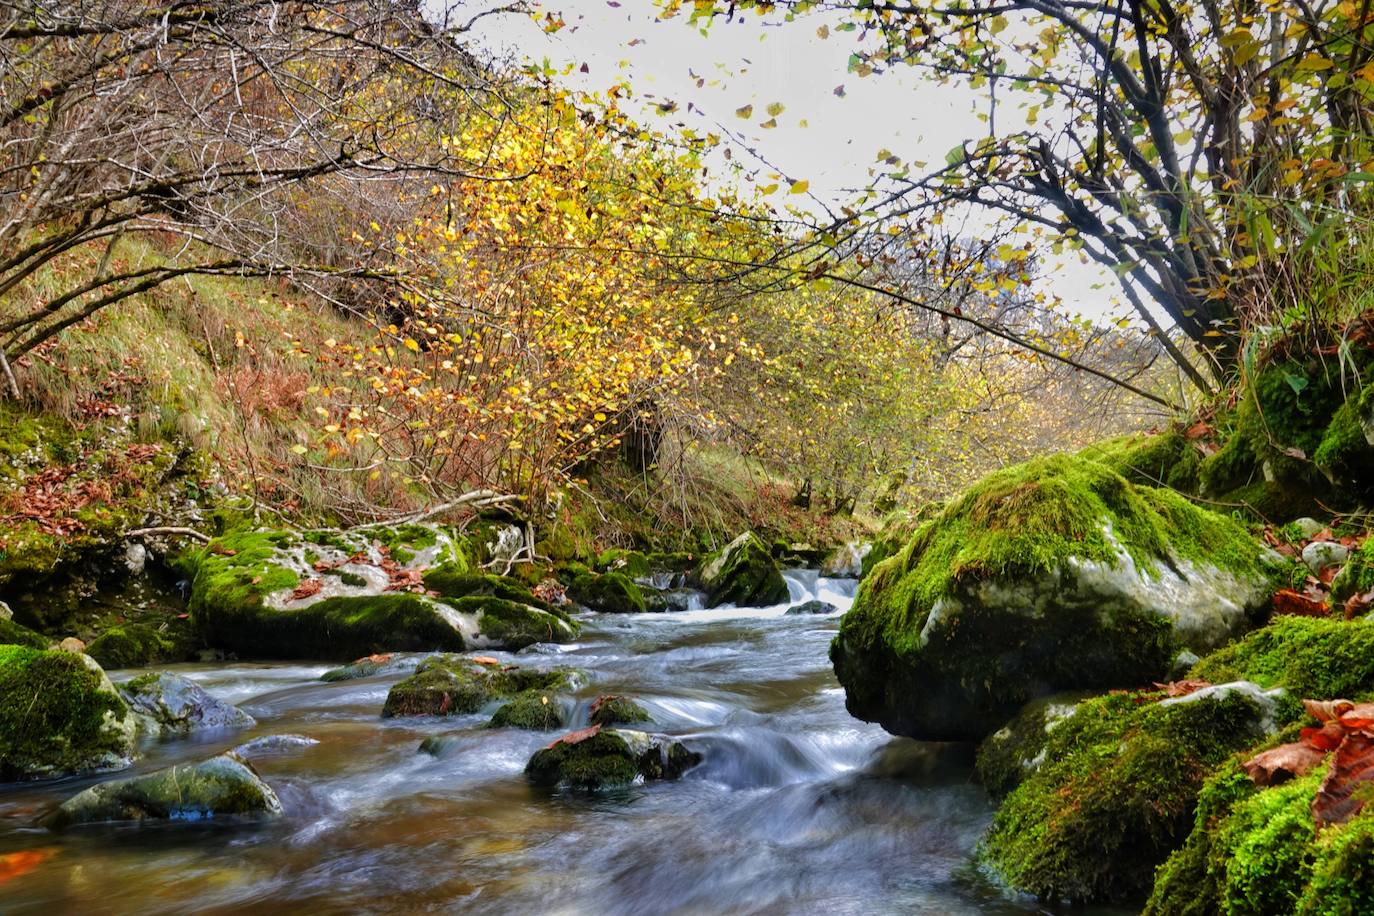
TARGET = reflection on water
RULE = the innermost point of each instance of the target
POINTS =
(798, 808)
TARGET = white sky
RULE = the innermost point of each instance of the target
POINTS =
(758, 62)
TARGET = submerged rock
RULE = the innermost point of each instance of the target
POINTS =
(610, 709)
(600, 758)
(811, 607)
(274, 744)
(60, 715)
(440, 745)
(381, 663)
(222, 786)
(743, 573)
(172, 704)
(347, 594)
(1053, 575)
(450, 685)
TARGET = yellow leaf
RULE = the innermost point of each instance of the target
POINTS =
(746, 112)
(799, 187)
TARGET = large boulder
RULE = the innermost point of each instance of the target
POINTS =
(1050, 576)
(60, 715)
(742, 573)
(222, 786)
(15, 634)
(132, 645)
(172, 704)
(602, 758)
(613, 593)
(344, 594)
(451, 685)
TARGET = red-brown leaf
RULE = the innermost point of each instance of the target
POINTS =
(577, 737)
(1339, 798)
(1327, 710)
(307, 589)
(1183, 688)
(1283, 763)
(1356, 605)
(1326, 738)
(1287, 601)
(1359, 717)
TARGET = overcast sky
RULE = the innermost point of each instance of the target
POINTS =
(829, 139)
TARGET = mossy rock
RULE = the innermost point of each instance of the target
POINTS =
(455, 582)
(222, 786)
(599, 758)
(1309, 656)
(1054, 575)
(533, 710)
(616, 710)
(630, 563)
(1345, 454)
(243, 598)
(132, 645)
(1167, 459)
(60, 715)
(451, 685)
(1257, 851)
(384, 663)
(1357, 576)
(1115, 792)
(1008, 756)
(14, 634)
(743, 573)
(611, 593)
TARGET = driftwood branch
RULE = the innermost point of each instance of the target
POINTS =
(477, 499)
(169, 531)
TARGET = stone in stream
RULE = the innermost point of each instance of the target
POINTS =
(60, 715)
(742, 573)
(172, 704)
(1054, 575)
(614, 593)
(535, 710)
(274, 744)
(222, 786)
(610, 709)
(450, 685)
(381, 663)
(811, 607)
(440, 745)
(601, 758)
(334, 594)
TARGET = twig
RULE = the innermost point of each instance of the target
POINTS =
(191, 533)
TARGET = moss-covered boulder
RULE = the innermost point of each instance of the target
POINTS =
(454, 581)
(345, 594)
(1008, 756)
(534, 710)
(1168, 459)
(372, 665)
(450, 685)
(1257, 851)
(742, 573)
(15, 634)
(613, 593)
(222, 786)
(602, 758)
(609, 709)
(1115, 791)
(172, 704)
(133, 645)
(630, 563)
(1309, 656)
(1050, 576)
(60, 715)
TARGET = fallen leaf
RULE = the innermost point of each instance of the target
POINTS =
(1356, 605)
(1327, 710)
(1359, 717)
(1326, 738)
(1287, 601)
(1341, 797)
(1182, 688)
(485, 660)
(307, 589)
(576, 737)
(1283, 763)
(17, 864)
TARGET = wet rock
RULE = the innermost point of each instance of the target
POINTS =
(812, 607)
(440, 745)
(1054, 575)
(222, 786)
(846, 561)
(1308, 527)
(346, 594)
(132, 645)
(382, 663)
(1321, 555)
(72, 644)
(599, 758)
(610, 709)
(269, 745)
(534, 710)
(742, 573)
(450, 685)
(173, 704)
(678, 599)
(611, 593)
(60, 715)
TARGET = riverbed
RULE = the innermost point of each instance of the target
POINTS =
(797, 807)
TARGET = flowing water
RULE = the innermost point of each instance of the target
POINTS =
(797, 808)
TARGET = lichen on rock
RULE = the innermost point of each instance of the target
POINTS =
(1054, 575)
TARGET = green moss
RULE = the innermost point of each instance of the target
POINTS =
(743, 574)
(611, 592)
(1009, 755)
(600, 761)
(1114, 796)
(130, 646)
(616, 710)
(1342, 882)
(353, 580)
(14, 634)
(454, 581)
(530, 710)
(56, 715)
(1234, 465)
(1311, 657)
(453, 685)
(513, 624)
(1343, 453)
(1357, 576)
(1166, 459)
(630, 563)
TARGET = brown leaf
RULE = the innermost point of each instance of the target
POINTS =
(576, 737)
(1356, 605)
(1182, 688)
(1340, 797)
(1283, 763)
(485, 660)
(1326, 738)
(1359, 717)
(307, 589)
(1199, 430)
(1287, 601)
(1327, 710)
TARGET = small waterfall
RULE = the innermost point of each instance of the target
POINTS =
(801, 584)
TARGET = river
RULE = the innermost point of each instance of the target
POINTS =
(797, 808)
